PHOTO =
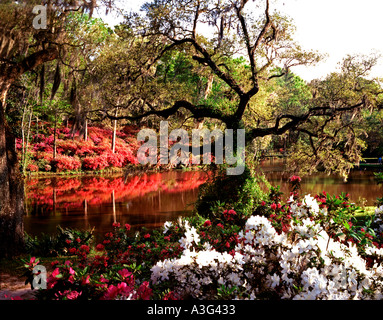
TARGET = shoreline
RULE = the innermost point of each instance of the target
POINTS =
(133, 170)
(123, 171)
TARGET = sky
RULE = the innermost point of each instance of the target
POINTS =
(332, 27)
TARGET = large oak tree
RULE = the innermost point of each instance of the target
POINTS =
(323, 119)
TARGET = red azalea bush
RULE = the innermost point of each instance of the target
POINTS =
(67, 147)
(116, 160)
(32, 167)
(95, 163)
(119, 269)
(66, 163)
(93, 154)
(85, 148)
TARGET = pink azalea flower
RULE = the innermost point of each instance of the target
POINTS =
(111, 293)
(72, 295)
(86, 280)
(144, 291)
(124, 290)
(126, 276)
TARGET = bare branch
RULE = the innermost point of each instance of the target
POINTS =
(197, 111)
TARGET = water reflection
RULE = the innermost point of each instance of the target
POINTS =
(360, 185)
(82, 202)
(151, 199)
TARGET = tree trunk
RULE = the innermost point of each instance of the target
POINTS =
(209, 86)
(86, 129)
(23, 152)
(114, 133)
(27, 139)
(11, 180)
(11, 189)
(54, 137)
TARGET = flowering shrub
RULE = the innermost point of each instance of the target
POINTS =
(66, 163)
(116, 160)
(95, 163)
(85, 148)
(76, 154)
(32, 167)
(65, 243)
(302, 263)
(307, 248)
(67, 147)
(116, 271)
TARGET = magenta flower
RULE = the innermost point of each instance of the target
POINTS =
(126, 276)
(144, 291)
(207, 223)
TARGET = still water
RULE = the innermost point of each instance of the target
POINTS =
(84, 202)
(151, 199)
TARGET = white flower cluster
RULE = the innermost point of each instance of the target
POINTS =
(302, 264)
(191, 235)
(379, 210)
(379, 219)
(194, 271)
(308, 207)
(167, 226)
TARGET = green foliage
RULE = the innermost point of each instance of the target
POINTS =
(239, 192)
(378, 177)
(47, 245)
(372, 125)
(225, 293)
(133, 249)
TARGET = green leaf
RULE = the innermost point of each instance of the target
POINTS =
(346, 225)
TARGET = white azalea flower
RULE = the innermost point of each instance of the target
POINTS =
(167, 226)
(311, 203)
(273, 280)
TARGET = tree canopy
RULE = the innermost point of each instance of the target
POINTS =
(245, 60)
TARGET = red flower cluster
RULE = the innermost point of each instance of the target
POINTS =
(295, 179)
(274, 206)
(66, 163)
(75, 154)
(207, 223)
(229, 214)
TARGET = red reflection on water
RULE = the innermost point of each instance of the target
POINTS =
(151, 199)
(57, 193)
(88, 201)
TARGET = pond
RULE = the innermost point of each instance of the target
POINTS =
(84, 202)
(149, 200)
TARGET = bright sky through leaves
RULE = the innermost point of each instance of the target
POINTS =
(333, 27)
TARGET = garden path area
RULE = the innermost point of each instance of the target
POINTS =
(11, 287)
